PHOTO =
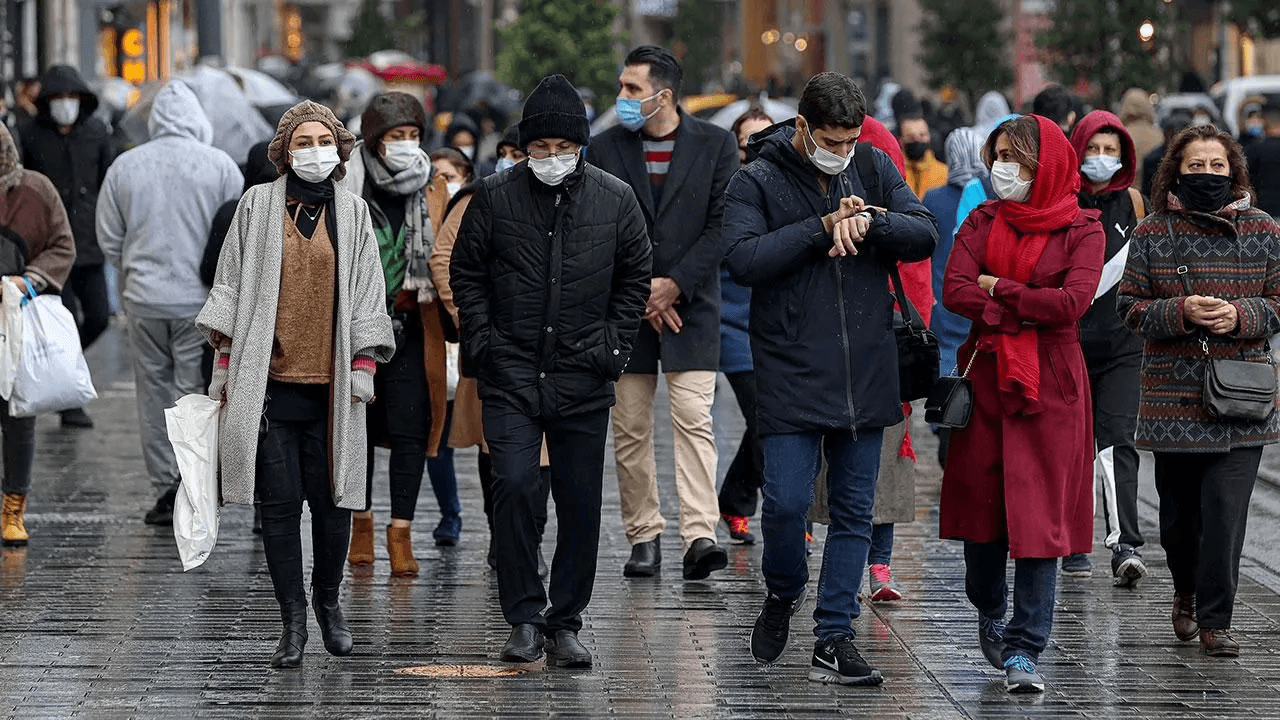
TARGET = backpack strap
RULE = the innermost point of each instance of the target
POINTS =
(1139, 205)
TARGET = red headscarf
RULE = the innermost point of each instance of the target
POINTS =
(1014, 246)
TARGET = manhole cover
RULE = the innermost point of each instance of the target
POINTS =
(465, 671)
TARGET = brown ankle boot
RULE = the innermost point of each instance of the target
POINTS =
(1185, 625)
(361, 550)
(14, 532)
(400, 548)
(1219, 643)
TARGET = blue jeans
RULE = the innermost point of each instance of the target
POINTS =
(1035, 580)
(791, 465)
(881, 551)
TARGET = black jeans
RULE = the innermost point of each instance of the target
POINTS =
(1114, 382)
(740, 492)
(1035, 581)
(576, 448)
(485, 463)
(1204, 507)
(293, 464)
(401, 414)
(19, 450)
(85, 295)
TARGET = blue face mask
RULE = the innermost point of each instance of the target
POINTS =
(504, 164)
(1101, 168)
(629, 114)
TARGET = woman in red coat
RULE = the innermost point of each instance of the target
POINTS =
(1019, 478)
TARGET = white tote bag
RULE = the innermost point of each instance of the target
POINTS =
(10, 335)
(53, 375)
(193, 432)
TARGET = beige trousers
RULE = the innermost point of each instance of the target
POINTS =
(691, 394)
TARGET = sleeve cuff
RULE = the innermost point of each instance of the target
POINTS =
(364, 363)
(224, 360)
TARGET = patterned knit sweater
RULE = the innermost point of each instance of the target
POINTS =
(1233, 254)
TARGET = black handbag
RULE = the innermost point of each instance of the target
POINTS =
(918, 352)
(1233, 389)
(950, 402)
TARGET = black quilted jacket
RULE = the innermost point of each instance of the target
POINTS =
(550, 284)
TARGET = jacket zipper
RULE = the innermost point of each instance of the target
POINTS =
(844, 340)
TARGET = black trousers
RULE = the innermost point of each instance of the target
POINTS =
(576, 448)
(85, 295)
(740, 492)
(1114, 382)
(400, 415)
(485, 463)
(293, 465)
(1204, 507)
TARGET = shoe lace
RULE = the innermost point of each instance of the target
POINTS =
(1018, 662)
(739, 525)
(776, 612)
(880, 573)
(845, 649)
(992, 629)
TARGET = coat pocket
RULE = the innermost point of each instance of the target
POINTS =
(1068, 383)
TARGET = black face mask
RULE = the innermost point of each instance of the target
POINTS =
(915, 150)
(1204, 192)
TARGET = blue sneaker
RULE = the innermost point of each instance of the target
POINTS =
(1077, 565)
(448, 531)
(991, 639)
(1021, 676)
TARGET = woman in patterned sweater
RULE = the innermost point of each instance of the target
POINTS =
(1205, 466)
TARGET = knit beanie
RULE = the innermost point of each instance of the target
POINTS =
(305, 112)
(10, 161)
(510, 137)
(389, 110)
(554, 110)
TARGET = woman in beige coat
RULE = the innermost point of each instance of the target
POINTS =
(298, 316)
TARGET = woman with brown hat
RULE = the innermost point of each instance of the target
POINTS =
(297, 312)
(406, 199)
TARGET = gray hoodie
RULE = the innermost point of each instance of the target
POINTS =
(157, 203)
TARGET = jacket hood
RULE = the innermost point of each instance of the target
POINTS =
(1091, 125)
(1136, 106)
(176, 111)
(774, 143)
(462, 121)
(964, 156)
(60, 79)
(991, 108)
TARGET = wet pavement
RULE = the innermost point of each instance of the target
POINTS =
(97, 619)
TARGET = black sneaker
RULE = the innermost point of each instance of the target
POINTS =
(838, 661)
(1077, 565)
(991, 640)
(773, 626)
(162, 512)
(76, 418)
(1127, 567)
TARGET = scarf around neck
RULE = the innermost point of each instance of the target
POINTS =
(1015, 244)
(410, 183)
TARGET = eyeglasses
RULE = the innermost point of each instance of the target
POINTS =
(538, 153)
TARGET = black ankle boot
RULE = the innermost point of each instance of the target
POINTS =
(294, 638)
(337, 637)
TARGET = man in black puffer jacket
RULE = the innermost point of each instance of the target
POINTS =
(550, 274)
(817, 260)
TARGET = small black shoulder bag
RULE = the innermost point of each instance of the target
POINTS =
(1233, 389)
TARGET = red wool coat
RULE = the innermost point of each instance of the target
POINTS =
(1028, 478)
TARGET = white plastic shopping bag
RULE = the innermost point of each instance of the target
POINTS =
(10, 335)
(53, 375)
(452, 371)
(193, 432)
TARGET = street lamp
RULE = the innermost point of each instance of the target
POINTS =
(1146, 31)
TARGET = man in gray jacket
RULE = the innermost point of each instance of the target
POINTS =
(153, 218)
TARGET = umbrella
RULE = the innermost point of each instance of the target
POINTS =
(777, 110)
(261, 89)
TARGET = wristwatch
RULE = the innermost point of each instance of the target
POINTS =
(992, 290)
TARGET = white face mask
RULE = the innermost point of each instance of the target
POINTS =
(1006, 182)
(314, 164)
(554, 169)
(65, 111)
(399, 155)
(827, 161)
(1101, 168)
(468, 150)
(453, 188)
(503, 164)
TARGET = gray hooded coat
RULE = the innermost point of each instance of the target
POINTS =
(157, 204)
